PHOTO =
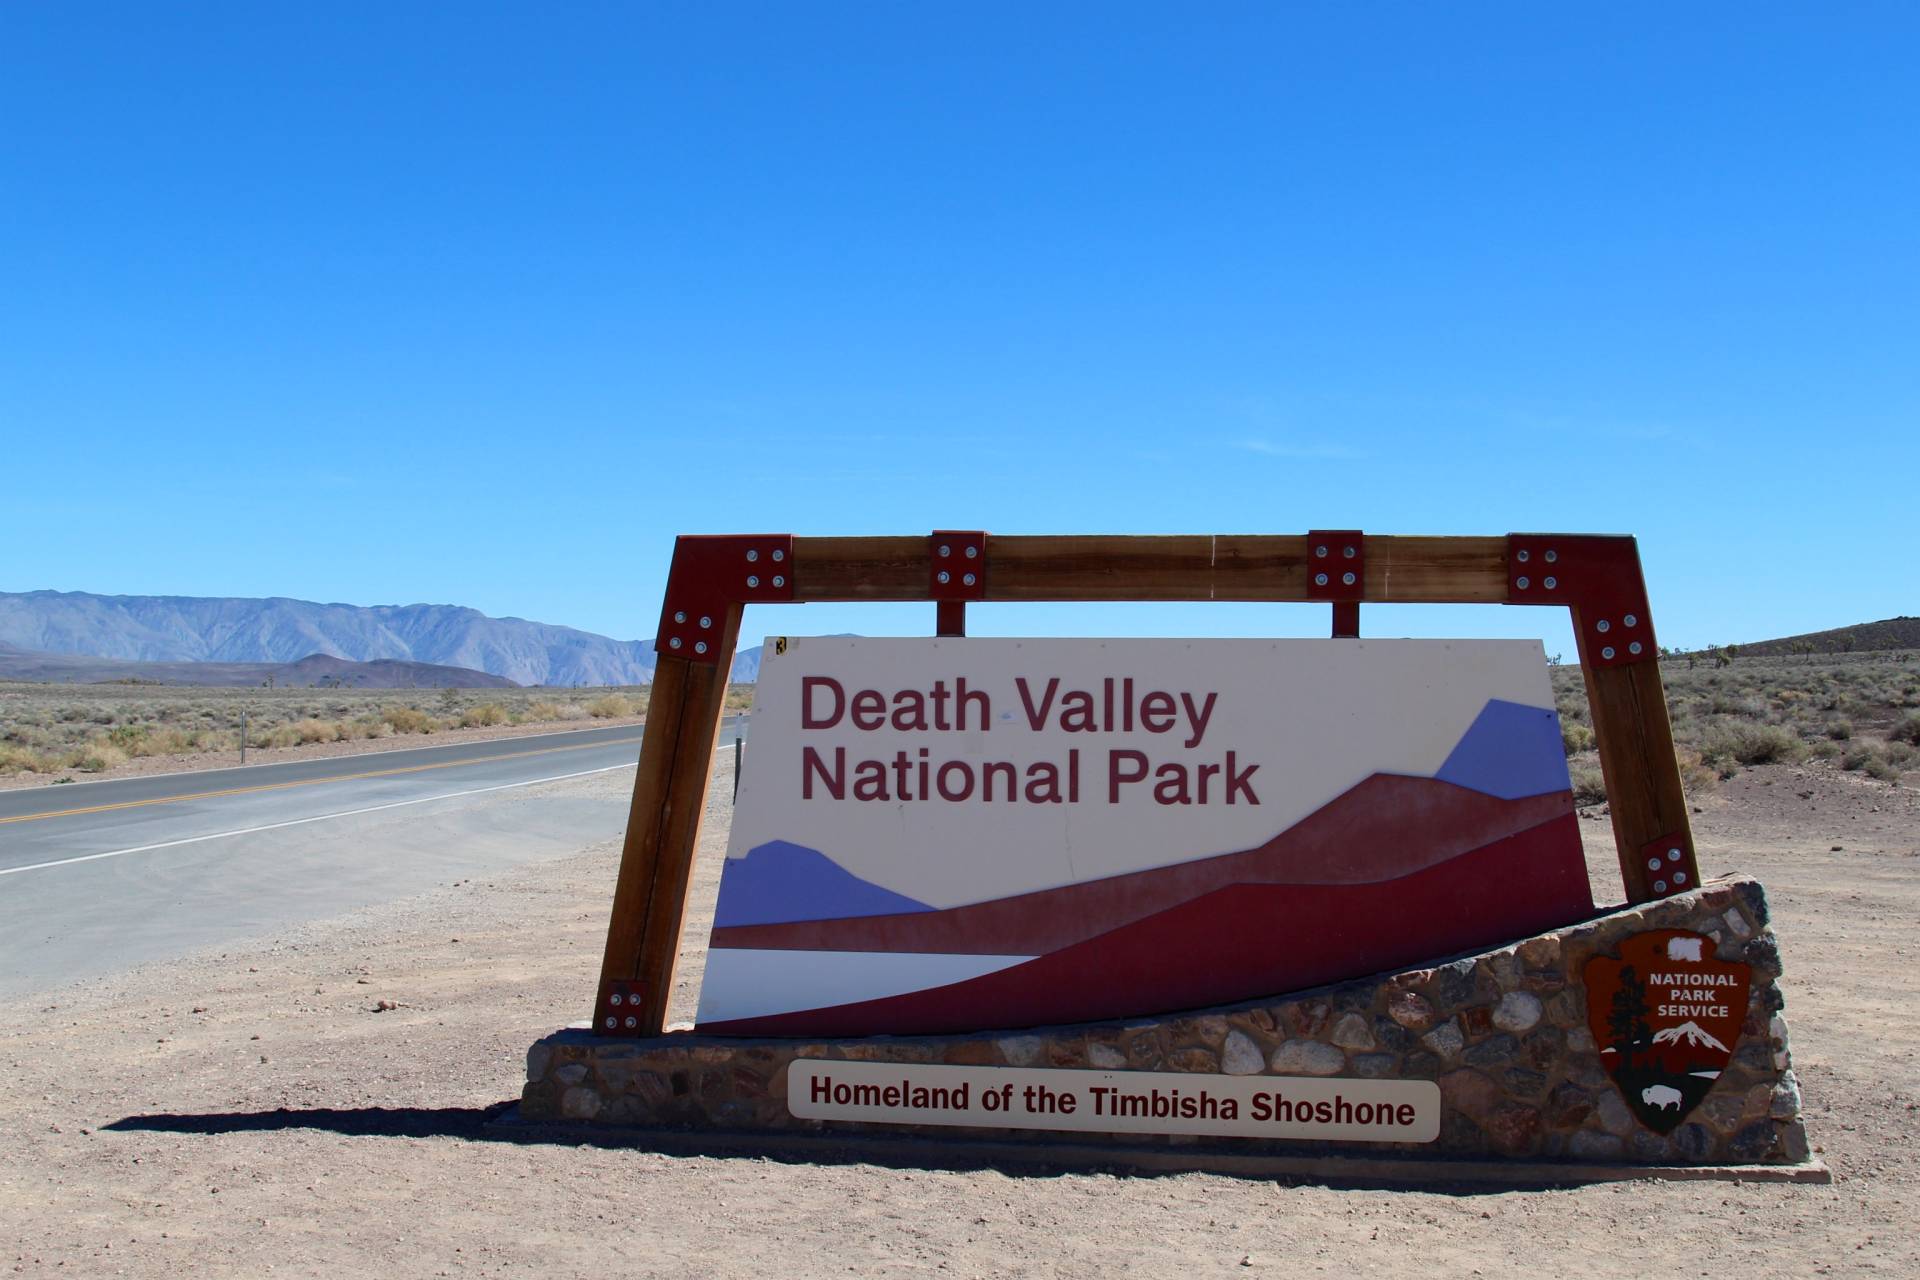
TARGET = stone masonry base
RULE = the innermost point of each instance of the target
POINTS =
(1503, 1033)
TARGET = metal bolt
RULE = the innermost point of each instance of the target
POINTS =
(1521, 583)
(752, 556)
(1607, 653)
(674, 643)
(943, 576)
(1348, 553)
(1631, 621)
(614, 998)
(1551, 556)
(1347, 578)
(1321, 552)
(1653, 864)
(705, 622)
(972, 552)
(700, 646)
(633, 1022)
(612, 1022)
(1679, 877)
(946, 550)
(779, 581)
(1603, 625)
(1521, 556)
(1319, 579)
(1673, 855)
(1659, 886)
(968, 579)
(1551, 582)
(779, 555)
(1634, 647)
(679, 615)
(753, 580)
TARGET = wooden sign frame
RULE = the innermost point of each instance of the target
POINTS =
(714, 577)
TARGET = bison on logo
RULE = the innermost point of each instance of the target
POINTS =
(1665, 1015)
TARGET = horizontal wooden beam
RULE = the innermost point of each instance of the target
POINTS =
(1246, 567)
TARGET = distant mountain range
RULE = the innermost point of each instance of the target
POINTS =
(314, 671)
(176, 629)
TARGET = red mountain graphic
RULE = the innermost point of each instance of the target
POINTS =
(1387, 827)
(1241, 941)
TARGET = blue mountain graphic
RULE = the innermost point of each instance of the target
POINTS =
(1512, 751)
(779, 883)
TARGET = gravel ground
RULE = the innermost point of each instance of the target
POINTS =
(258, 1111)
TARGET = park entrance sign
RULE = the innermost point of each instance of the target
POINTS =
(942, 835)
(1295, 895)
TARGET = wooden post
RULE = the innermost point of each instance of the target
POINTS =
(663, 828)
(1644, 796)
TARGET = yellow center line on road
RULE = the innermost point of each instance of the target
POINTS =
(311, 782)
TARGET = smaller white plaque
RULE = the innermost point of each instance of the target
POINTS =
(1312, 1108)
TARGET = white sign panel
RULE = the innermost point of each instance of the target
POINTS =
(963, 834)
(1274, 1107)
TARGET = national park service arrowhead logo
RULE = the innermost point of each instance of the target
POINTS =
(1665, 1016)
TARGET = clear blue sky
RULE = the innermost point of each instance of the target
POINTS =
(481, 305)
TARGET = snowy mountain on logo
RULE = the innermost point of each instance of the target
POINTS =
(1690, 1035)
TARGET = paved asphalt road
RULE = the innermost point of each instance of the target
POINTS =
(98, 876)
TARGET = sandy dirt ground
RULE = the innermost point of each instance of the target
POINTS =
(254, 1112)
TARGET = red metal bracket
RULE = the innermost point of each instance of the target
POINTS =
(711, 573)
(619, 1008)
(1599, 577)
(1336, 564)
(1670, 865)
(957, 564)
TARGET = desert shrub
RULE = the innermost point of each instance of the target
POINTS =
(1839, 730)
(1871, 761)
(611, 706)
(312, 730)
(95, 757)
(1900, 753)
(408, 720)
(1695, 775)
(1824, 749)
(20, 760)
(1575, 738)
(484, 715)
(1906, 729)
(1731, 742)
(1589, 785)
(127, 737)
(279, 735)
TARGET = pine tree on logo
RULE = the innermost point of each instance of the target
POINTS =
(1627, 1019)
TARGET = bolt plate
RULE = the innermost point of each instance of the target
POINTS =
(1339, 556)
(713, 572)
(954, 556)
(1669, 866)
(1599, 578)
(617, 1012)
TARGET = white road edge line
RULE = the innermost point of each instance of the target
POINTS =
(295, 822)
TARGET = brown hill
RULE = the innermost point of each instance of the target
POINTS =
(1865, 637)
